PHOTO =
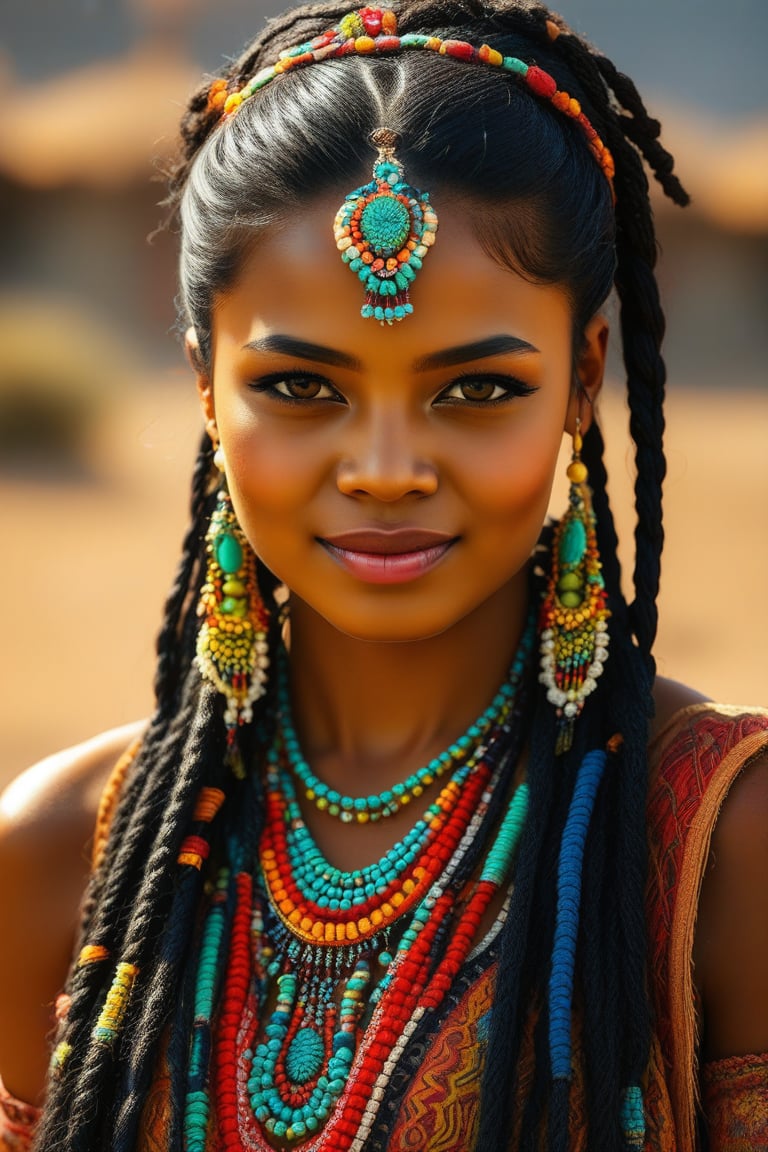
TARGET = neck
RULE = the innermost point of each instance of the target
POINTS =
(367, 713)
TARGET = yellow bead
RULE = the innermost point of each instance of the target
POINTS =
(576, 472)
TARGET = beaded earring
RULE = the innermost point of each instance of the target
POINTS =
(574, 629)
(383, 231)
(232, 652)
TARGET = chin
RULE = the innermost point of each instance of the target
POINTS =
(393, 625)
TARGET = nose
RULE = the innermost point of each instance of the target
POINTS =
(386, 458)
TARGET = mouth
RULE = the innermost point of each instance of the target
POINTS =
(381, 556)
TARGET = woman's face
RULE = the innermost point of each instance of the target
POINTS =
(395, 478)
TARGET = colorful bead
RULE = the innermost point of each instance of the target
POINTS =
(383, 804)
(574, 616)
(370, 31)
(633, 1117)
(232, 651)
(92, 954)
(380, 228)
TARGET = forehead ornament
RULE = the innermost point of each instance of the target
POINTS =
(383, 231)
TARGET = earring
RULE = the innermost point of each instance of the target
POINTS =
(232, 651)
(574, 635)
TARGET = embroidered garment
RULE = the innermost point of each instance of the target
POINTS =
(432, 1099)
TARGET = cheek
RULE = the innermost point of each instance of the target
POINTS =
(270, 475)
(511, 476)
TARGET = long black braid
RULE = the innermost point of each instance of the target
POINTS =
(138, 907)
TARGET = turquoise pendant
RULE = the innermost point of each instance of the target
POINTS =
(302, 1065)
(384, 230)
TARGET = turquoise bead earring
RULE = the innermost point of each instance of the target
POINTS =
(232, 650)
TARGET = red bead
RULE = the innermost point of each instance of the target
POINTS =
(458, 49)
(540, 82)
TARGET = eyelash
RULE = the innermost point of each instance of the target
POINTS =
(512, 388)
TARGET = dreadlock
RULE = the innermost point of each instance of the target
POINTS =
(544, 209)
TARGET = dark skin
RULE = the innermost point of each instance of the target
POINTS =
(467, 448)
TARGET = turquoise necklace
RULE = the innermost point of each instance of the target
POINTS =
(378, 806)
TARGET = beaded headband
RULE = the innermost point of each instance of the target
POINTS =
(386, 228)
(371, 31)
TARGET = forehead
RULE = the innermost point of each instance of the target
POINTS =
(294, 282)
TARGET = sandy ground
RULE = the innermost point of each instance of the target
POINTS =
(86, 564)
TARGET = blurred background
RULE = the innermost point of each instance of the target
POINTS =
(98, 416)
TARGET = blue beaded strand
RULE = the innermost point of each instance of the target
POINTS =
(567, 916)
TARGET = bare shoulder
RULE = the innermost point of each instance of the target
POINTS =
(670, 697)
(47, 817)
(731, 947)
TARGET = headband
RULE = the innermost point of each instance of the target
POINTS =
(373, 31)
(385, 229)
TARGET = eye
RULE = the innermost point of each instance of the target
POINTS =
(293, 387)
(487, 389)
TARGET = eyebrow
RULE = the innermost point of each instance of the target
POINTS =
(446, 358)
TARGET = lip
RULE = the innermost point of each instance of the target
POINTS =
(388, 556)
(388, 541)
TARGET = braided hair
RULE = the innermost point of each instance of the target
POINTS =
(542, 207)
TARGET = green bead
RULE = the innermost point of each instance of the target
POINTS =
(234, 588)
(573, 543)
(568, 582)
(570, 599)
(229, 553)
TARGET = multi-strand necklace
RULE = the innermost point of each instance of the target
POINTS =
(324, 974)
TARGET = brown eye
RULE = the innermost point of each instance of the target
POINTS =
(486, 389)
(295, 387)
(300, 388)
(477, 389)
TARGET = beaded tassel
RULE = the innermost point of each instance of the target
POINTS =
(232, 648)
(574, 629)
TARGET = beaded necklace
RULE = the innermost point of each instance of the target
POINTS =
(351, 961)
(387, 803)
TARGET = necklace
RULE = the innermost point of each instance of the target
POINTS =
(382, 804)
(349, 961)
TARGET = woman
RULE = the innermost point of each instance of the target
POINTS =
(409, 855)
